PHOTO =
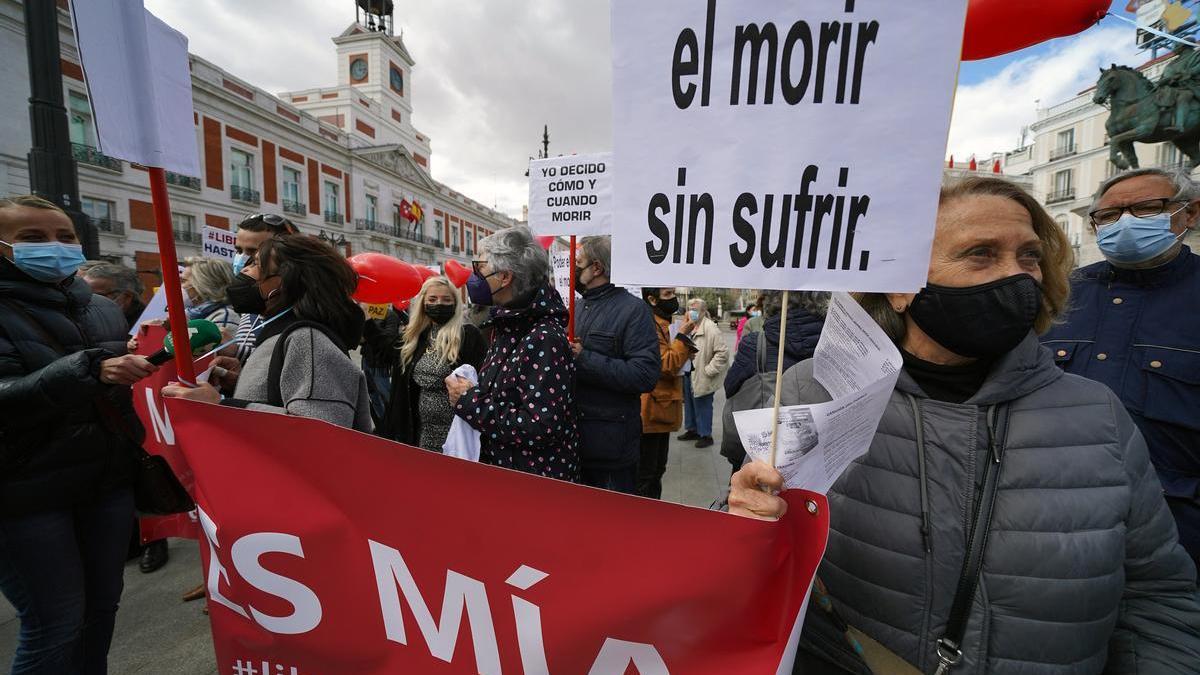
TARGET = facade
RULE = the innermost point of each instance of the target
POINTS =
(1067, 160)
(338, 161)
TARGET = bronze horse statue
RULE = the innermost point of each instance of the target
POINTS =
(1144, 113)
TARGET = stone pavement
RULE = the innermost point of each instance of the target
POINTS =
(158, 634)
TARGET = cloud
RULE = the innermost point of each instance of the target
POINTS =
(489, 74)
(988, 116)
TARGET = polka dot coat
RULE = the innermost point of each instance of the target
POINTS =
(524, 406)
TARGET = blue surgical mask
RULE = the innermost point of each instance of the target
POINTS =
(1133, 240)
(694, 314)
(239, 263)
(50, 262)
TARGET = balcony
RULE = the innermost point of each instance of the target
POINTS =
(1061, 196)
(454, 249)
(1062, 151)
(187, 237)
(244, 194)
(294, 207)
(368, 225)
(178, 179)
(334, 218)
(109, 226)
(86, 154)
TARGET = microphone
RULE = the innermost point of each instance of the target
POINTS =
(202, 335)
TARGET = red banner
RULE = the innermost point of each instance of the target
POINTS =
(160, 437)
(331, 551)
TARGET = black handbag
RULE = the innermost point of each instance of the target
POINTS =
(156, 489)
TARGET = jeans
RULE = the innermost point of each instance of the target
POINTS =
(63, 571)
(615, 480)
(653, 464)
(697, 410)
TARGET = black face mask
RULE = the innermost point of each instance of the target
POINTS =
(667, 308)
(439, 314)
(985, 321)
(580, 286)
(244, 297)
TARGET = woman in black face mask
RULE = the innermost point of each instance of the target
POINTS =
(998, 492)
(435, 342)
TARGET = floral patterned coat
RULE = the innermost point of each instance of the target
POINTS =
(524, 406)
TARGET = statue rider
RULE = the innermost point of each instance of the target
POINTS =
(1179, 87)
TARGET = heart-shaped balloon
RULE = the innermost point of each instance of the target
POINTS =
(546, 241)
(382, 278)
(456, 273)
(402, 305)
(425, 272)
(996, 27)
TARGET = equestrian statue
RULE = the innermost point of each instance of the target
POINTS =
(1145, 112)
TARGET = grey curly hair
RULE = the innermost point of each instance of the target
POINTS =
(515, 250)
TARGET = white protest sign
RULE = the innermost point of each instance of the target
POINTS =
(789, 144)
(858, 365)
(139, 83)
(155, 309)
(571, 195)
(564, 281)
(218, 243)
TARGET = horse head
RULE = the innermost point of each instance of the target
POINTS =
(1120, 83)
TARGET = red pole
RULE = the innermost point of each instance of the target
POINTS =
(170, 273)
(571, 301)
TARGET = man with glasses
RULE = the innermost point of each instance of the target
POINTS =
(1135, 325)
(251, 233)
(119, 284)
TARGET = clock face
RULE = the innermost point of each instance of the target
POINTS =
(358, 69)
(397, 80)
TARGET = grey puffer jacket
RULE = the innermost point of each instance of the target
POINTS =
(1082, 571)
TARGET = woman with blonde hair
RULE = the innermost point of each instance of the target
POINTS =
(435, 342)
(204, 282)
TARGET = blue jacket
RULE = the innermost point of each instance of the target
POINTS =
(803, 332)
(619, 362)
(1138, 331)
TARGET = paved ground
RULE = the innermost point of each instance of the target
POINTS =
(158, 634)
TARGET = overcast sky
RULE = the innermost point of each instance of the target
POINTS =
(490, 73)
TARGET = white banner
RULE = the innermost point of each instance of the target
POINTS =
(139, 83)
(571, 195)
(791, 144)
(564, 281)
(218, 243)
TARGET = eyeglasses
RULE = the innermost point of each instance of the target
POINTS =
(1146, 209)
(477, 266)
(272, 220)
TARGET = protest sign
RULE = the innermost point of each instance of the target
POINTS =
(791, 144)
(571, 195)
(139, 84)
(160, 437)
(155, 309)
(377, 312)
(858, 365)
(219, 243)
(564, 281)
(336, 562)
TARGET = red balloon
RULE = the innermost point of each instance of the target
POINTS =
(456, 273)
(996, 27)
(546, 241)
(382, 278)
(401, 305)
(425, 272)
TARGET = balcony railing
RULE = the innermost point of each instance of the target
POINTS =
(244, 194)
(1061, 196)
(89, 155)
(189, 182)
(334, 218)
(109, 225)
(454, 249)
(293, 207)
(1062, 151)
(397, 231)
(187, 237)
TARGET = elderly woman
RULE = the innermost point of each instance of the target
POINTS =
(524, 405)
(1006, 518)
(204, 282)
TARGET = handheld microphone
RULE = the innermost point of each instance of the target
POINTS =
(202, 334)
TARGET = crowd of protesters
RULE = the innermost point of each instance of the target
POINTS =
(1030, 501)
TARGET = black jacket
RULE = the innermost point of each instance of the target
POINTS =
(803, 332)
(619, 362)
(402, 419)
(56, 449)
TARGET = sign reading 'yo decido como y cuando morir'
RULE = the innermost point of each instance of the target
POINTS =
(571, 195)
(788, 144)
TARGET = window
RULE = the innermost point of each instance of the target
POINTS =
(185, 228)
(241, 169)
(1066, 140)
(454, 236)
(372, 208)
(291, 184)
(80, 115)
(1168, 155)
(331, 197)
(1063, 185)
(98, 209)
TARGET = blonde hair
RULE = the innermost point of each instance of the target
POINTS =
(1057, 257)
(209, 278)
(31, 201)
(449, 337)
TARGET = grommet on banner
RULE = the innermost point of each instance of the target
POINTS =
(812, 507)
